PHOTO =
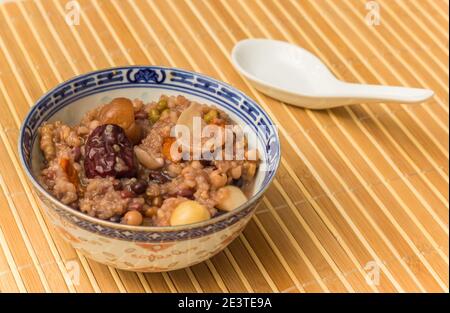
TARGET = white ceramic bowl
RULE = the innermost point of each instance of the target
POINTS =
(143, 248)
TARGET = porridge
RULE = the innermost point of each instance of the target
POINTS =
(123, 163)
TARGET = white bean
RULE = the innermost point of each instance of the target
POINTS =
(231, 198)
(189, 212)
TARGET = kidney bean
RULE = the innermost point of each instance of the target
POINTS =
(159, 177)
(127, 193)
(139, 187)
(186, 193)
(135, 206)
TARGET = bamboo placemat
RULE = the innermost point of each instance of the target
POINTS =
(359, 188)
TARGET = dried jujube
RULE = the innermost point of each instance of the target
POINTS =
(109, 153)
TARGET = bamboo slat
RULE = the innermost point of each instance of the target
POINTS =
(357, 186)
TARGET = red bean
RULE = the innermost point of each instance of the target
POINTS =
(139, 187)
(159, 177)
(117, 185)
(186, 193)
(127, 193)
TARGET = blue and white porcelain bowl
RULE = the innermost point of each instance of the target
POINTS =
(143, 248)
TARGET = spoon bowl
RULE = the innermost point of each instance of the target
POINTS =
(296, 76)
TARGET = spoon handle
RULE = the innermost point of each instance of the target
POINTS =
(378, 93)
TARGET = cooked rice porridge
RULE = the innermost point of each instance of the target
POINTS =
(118, 164)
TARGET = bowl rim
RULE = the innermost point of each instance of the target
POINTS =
(254, 198)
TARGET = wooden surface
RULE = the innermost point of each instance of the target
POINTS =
(359, 188)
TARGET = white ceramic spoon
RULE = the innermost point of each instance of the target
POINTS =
(296, 76)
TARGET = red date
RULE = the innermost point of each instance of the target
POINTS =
(109, 153)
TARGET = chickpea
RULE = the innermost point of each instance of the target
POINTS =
(189, 212)
(132, 218)
(218, 179)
